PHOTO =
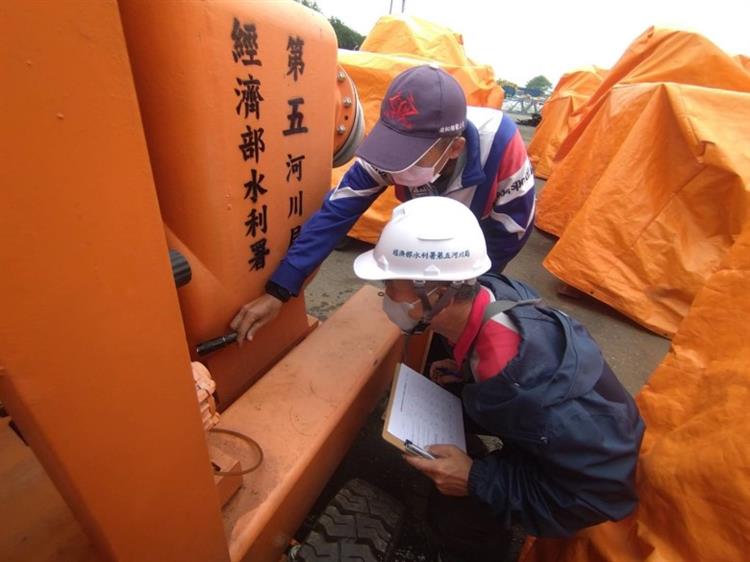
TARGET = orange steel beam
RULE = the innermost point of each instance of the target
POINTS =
(96, 369)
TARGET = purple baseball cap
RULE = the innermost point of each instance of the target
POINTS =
(422, 105)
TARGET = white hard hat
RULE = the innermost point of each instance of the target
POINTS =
(430, 239)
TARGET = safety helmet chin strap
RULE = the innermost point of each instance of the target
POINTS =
(432, 310)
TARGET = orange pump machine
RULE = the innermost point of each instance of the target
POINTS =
(131, 129)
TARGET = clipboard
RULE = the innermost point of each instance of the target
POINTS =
(422, 412)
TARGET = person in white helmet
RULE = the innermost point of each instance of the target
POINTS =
(529, 374)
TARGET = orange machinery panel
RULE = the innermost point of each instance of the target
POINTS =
(238, 101)
(93, 362)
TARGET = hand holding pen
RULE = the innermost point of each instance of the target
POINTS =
(415, 449)
(445, 371)
(449, 468)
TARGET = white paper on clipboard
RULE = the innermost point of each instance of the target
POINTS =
(422, 412)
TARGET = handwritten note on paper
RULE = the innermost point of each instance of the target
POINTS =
(423, 412)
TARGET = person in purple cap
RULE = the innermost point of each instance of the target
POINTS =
(426, 142)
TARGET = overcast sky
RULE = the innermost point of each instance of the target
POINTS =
(523, 39)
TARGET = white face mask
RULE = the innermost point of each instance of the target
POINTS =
(398, 313)
(415, 175)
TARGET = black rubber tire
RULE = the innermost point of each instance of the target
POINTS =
(360, 524)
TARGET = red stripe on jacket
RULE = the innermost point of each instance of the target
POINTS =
(494, 344)
(514, 158)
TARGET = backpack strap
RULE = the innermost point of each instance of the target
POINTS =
(496, 307)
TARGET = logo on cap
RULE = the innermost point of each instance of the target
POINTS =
(400, 109)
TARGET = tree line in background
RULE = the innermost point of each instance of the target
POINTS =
(537, 86)
(347, 37)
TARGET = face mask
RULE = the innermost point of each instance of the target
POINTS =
(398, 313)
(415, 175)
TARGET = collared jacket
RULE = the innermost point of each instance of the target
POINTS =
(571, 433)
(496, 183)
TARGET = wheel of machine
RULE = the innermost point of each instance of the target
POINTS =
(361, 523)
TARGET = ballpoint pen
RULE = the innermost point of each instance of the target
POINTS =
(415, 449)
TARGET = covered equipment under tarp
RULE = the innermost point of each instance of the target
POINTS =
(664, 55)
(649, 189)
(569, 95)
(654, 195)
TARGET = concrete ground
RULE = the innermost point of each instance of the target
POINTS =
(632, 352)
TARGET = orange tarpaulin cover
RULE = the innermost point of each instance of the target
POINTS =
(569, 95)
(693, 477)
(410, 41)
(656, 193)
(395, 44)
(665, 55)
(415, 36)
